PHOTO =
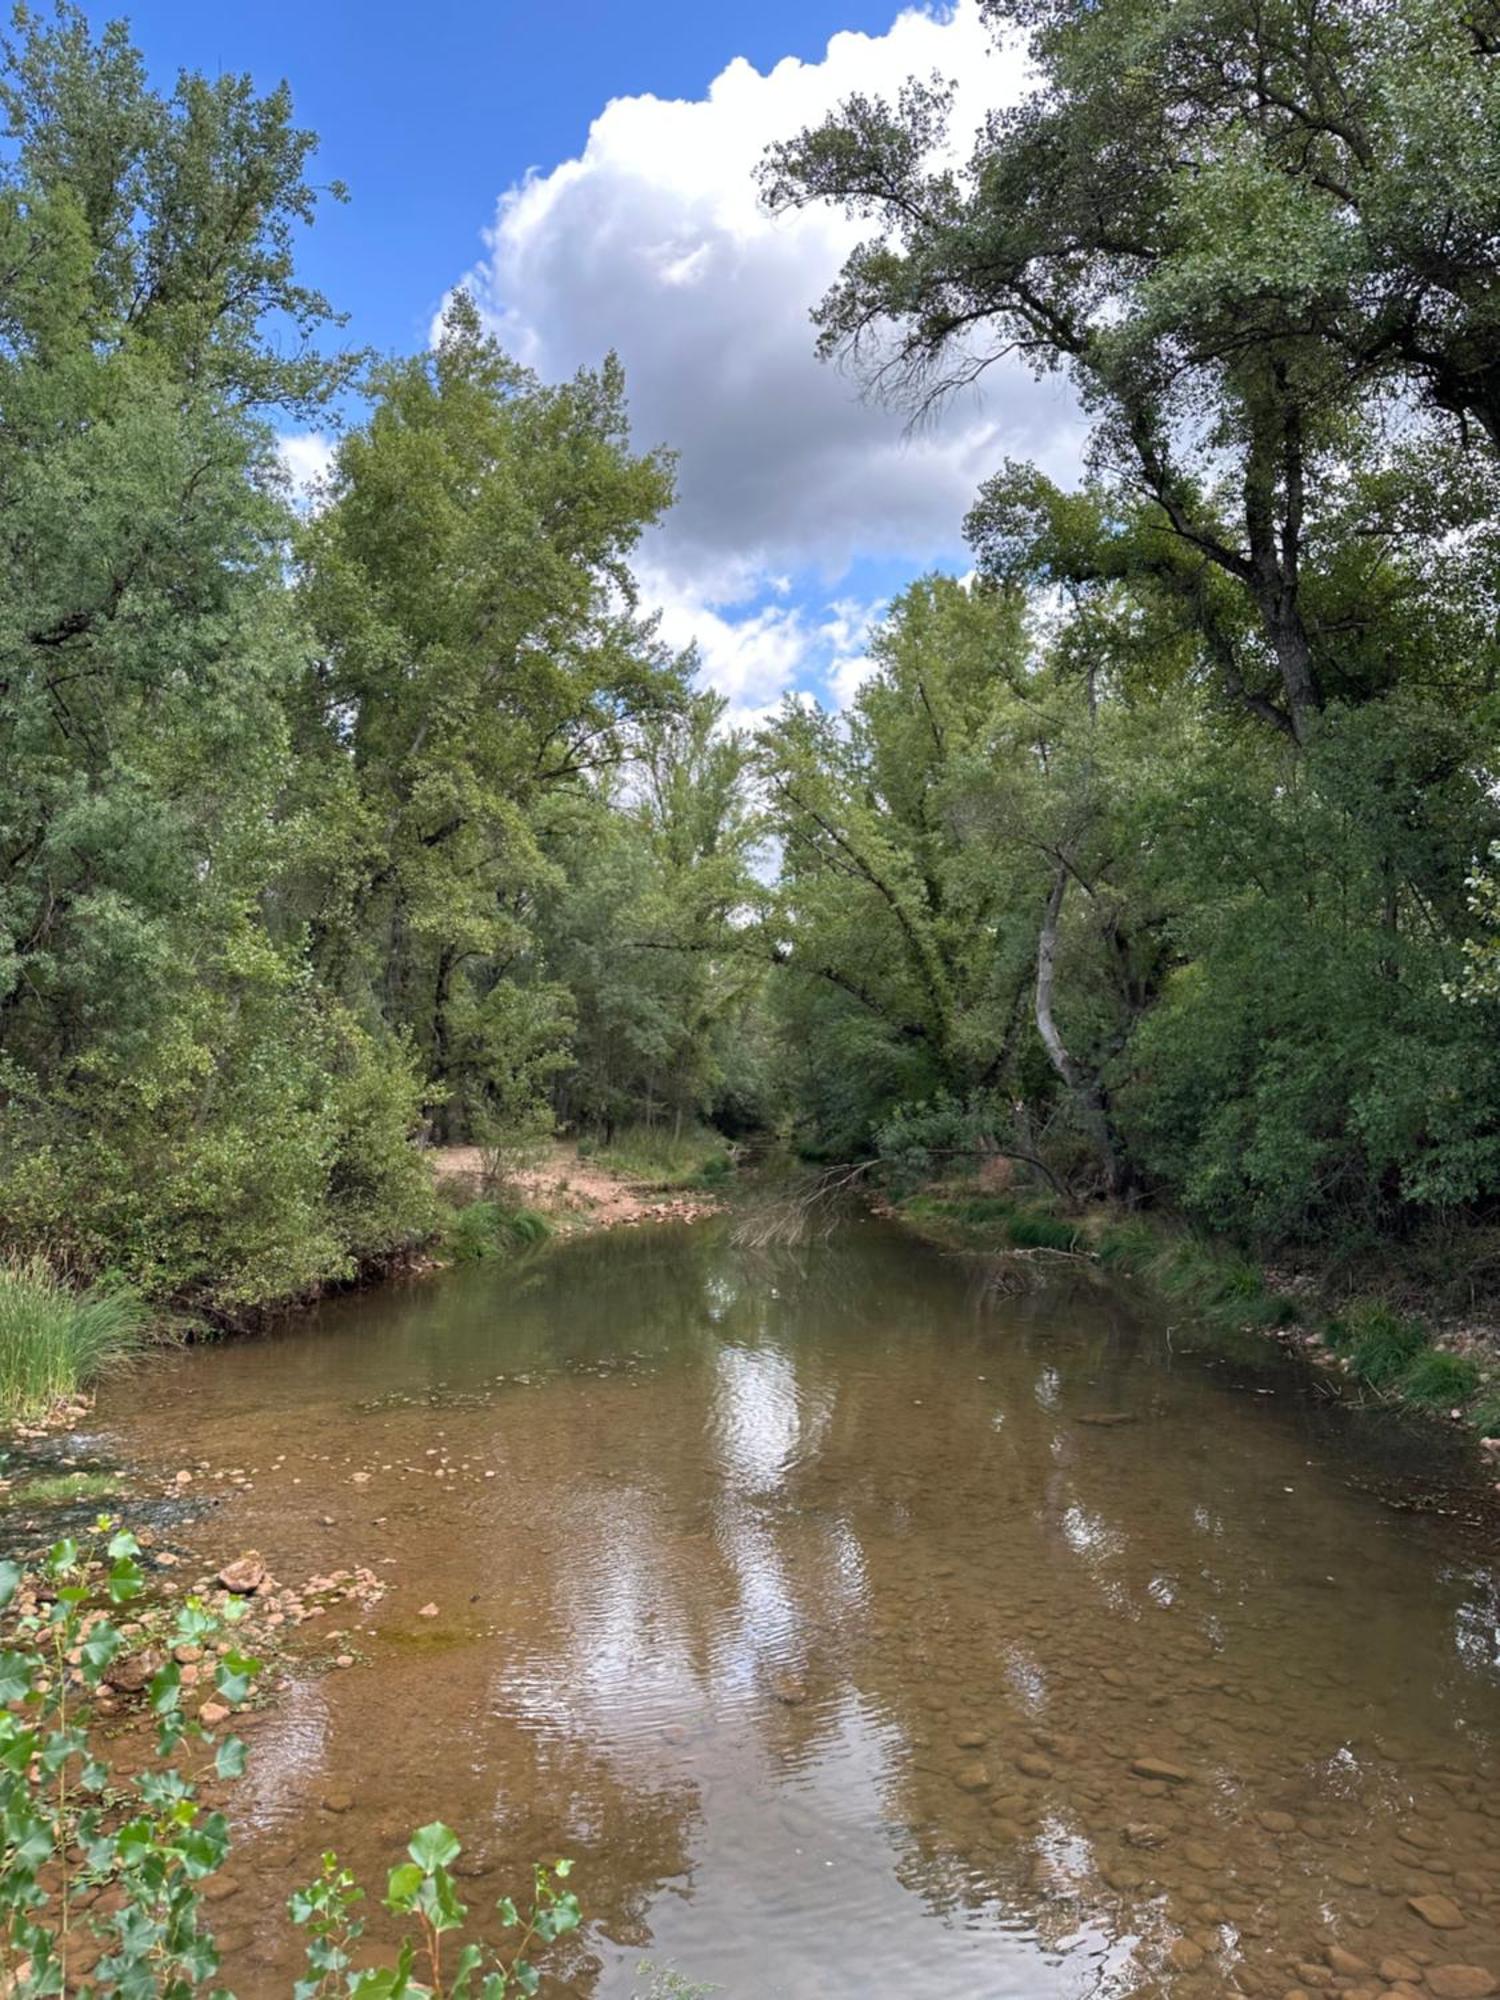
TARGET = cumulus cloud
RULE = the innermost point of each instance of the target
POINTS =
(307, 457)
(652, 241)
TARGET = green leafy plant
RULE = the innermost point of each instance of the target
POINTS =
(436, 1961)
(68, 1827)
(102, 1878)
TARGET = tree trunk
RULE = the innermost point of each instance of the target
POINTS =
(1086, 1087)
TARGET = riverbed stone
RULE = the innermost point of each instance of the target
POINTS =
(972, 1777)
(1461, 1982)
(1031, 1764)
(1341, 1960)
(1441, 1913)
(1160, 1771)
(245, 1575)
(1185, 1956)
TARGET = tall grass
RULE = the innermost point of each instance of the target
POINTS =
(695, 1157)
(486, 1229)
(56, 1340)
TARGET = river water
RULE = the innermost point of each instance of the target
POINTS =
(798, 1595)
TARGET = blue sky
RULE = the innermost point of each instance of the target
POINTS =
(585, 168)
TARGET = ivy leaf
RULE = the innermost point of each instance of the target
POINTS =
(433, 1847)
(230, 1761)
(15, 1677)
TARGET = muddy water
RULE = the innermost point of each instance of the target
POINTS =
(796, 1595)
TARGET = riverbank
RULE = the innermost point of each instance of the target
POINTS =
(1438, 1368)
(58, 1340)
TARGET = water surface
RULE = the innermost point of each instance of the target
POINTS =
(798, 1595)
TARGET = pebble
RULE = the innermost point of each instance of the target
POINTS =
(1158, 1769)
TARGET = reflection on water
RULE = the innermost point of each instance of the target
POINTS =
(804, 1598)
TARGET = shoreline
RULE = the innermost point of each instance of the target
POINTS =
(1395, 1363)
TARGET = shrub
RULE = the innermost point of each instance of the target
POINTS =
(55, 1340)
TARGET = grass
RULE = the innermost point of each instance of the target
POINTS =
(486, 1229)
(57, 1489)
(697, 1157)
(55, 1339)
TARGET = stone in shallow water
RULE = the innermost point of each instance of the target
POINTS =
(1159, 1770)
(1461, 1982)
(1441, 1912)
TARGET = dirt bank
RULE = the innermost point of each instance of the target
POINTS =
(575, 1194)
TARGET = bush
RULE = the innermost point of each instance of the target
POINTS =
(55, 1340)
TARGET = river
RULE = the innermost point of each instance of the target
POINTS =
(799, 1595)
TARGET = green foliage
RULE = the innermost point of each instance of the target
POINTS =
(436, 1961)
(55, 1338)
(69, 1826)
(667, 1158)
(486, 1229)
(72, 1827)
(1381, 1345)
(1440, 1381)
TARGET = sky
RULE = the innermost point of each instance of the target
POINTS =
(585, 167)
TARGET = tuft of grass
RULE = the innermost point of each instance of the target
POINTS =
(664, 1160)
(486, 1229)
(56, 1339)
(58, 1489)
(1440, 1381)
(1381, 1344)
(1035, 1230)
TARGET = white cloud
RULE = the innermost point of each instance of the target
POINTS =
(308, 457)
(652, 241)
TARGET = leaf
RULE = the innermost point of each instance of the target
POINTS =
(15, 1677)
(435, 1846)
(230, 1761)
(404, 1886)
(10, 1581)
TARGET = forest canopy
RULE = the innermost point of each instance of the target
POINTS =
(1152, 854)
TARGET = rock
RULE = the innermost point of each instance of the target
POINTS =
(1146, 1833)
(789, 1689)
(1185, 1956)
(218, 1888)
(212, 1713)
(1196, 1855)
(1394, 1969)
(1031, 1765)
(431, 1611)
(972, 1778)
(971, 1739)
(245, 1575)
(337, 1802)
(1345, 1962)
(130, 1674)
(1460, 1982)
(1105, 1417)
(1161, 1772)
(343, 1660)
(1277, 1822)
(1441, 1912)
